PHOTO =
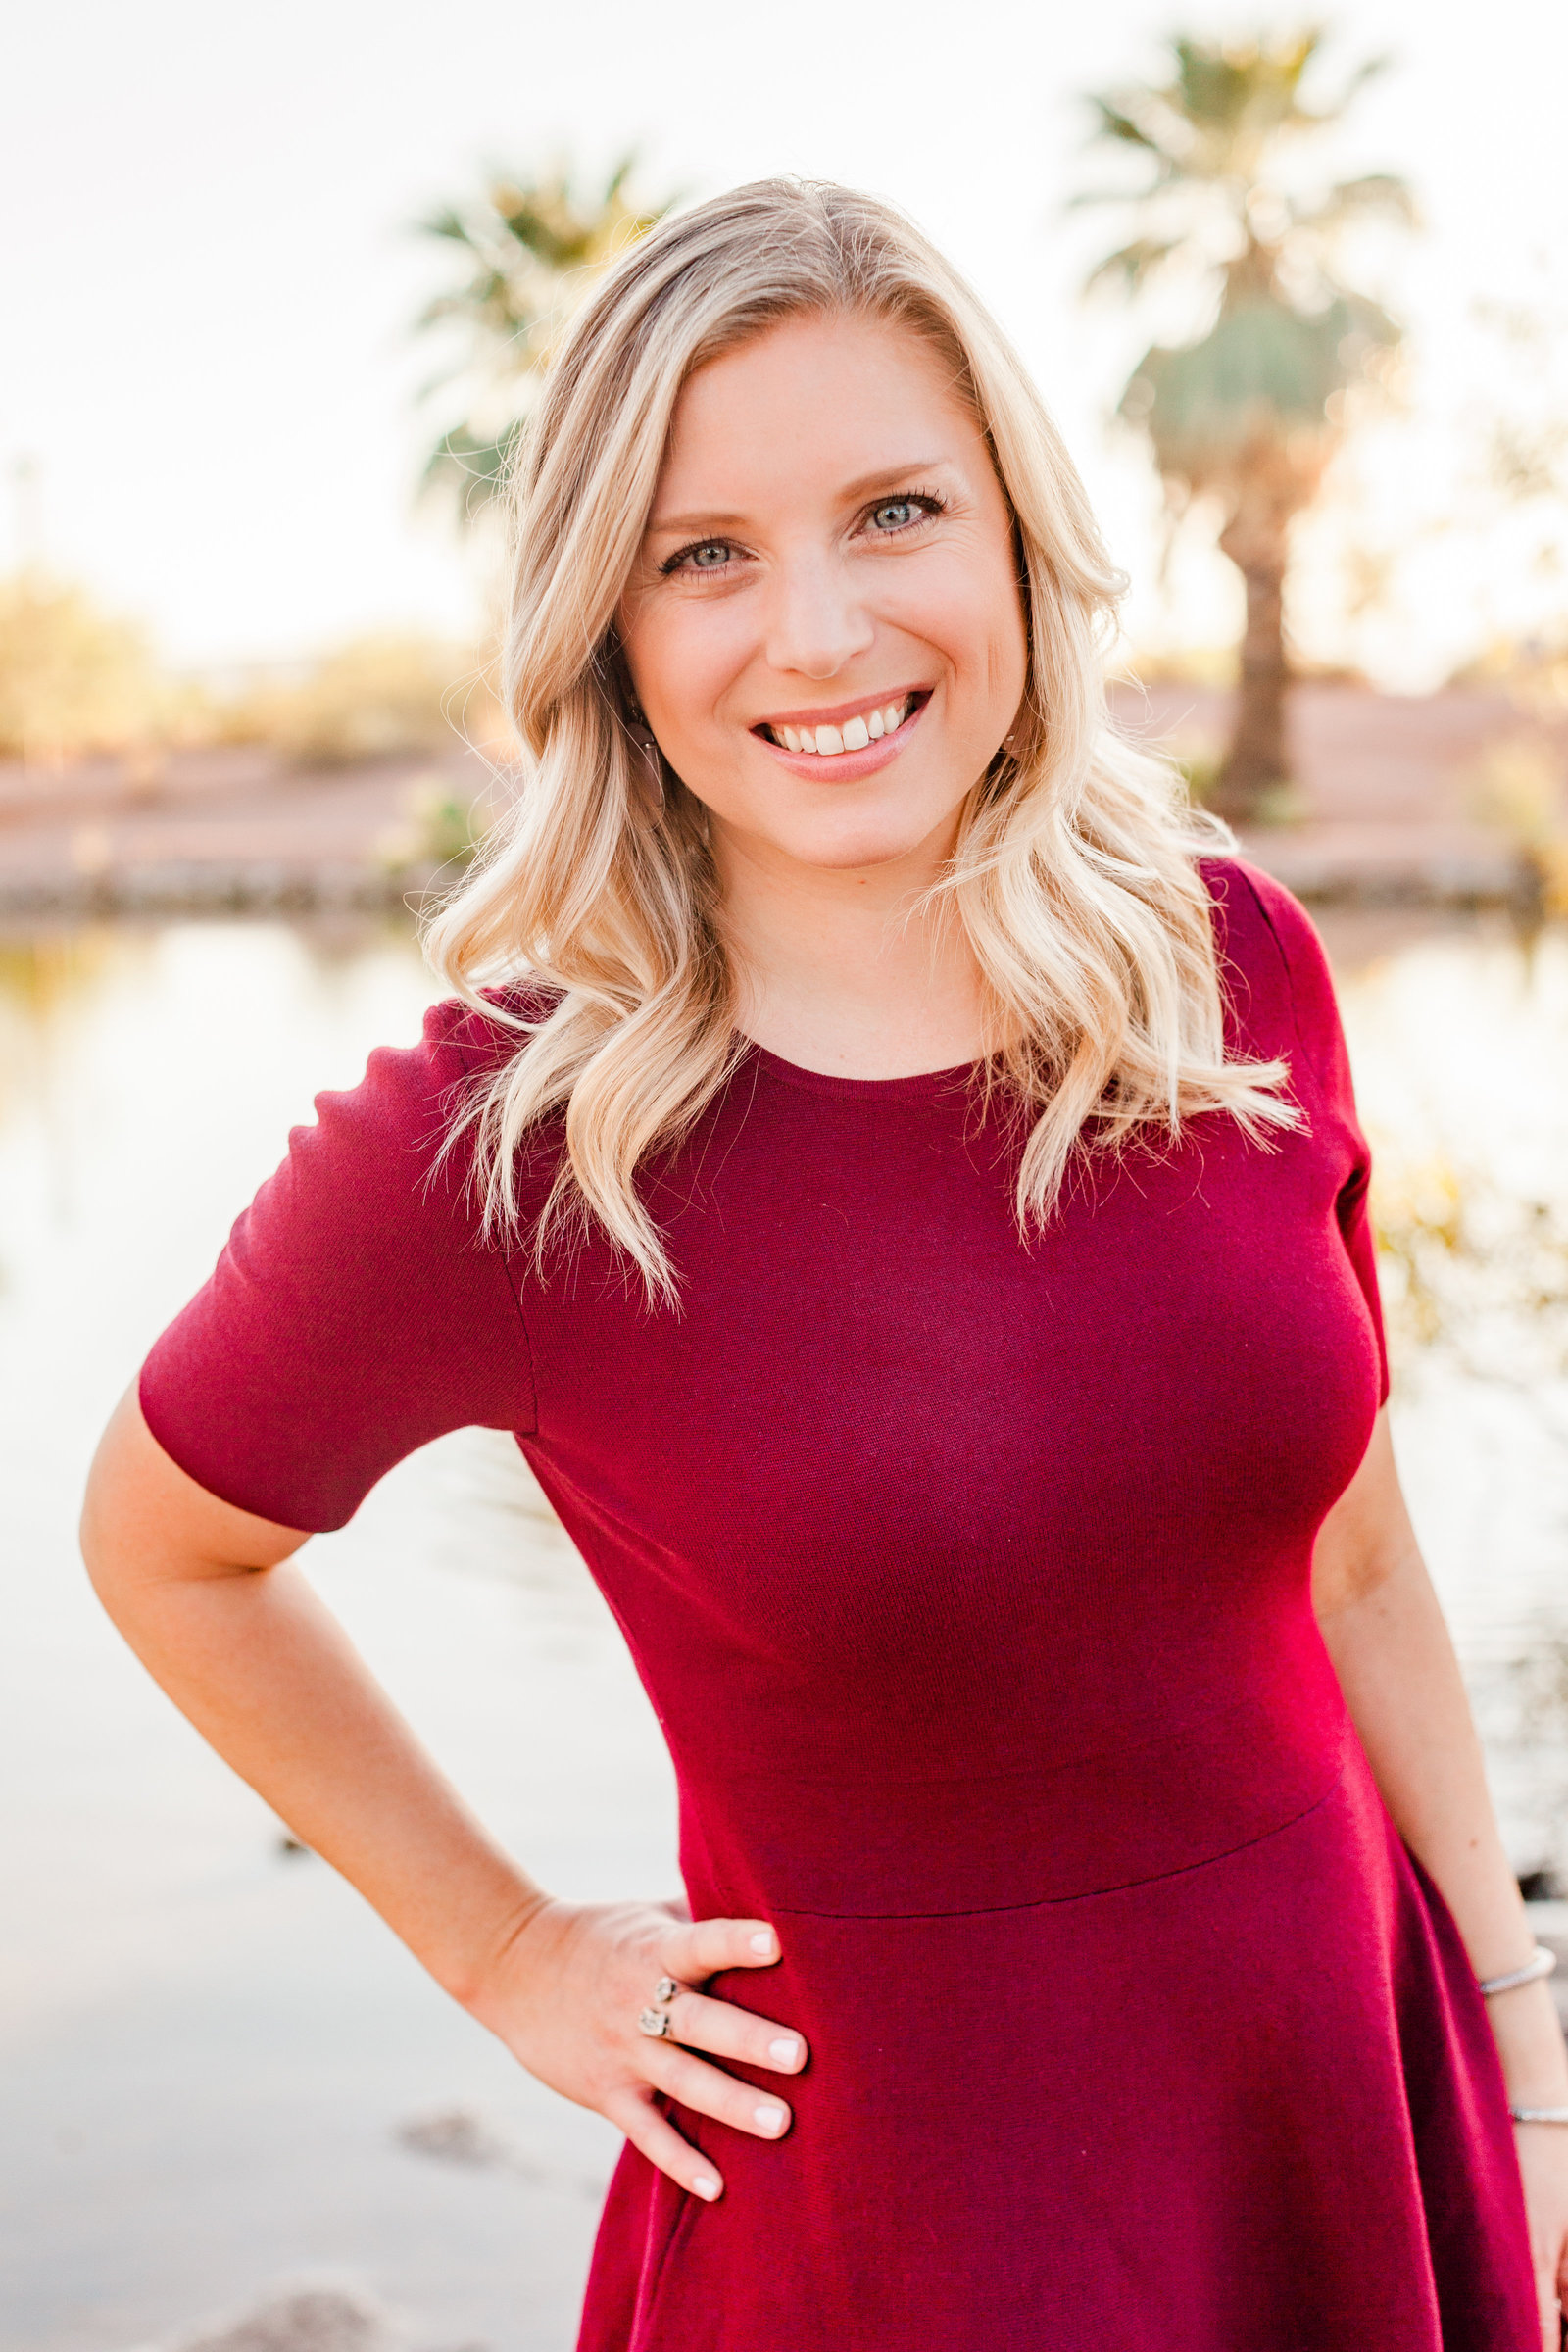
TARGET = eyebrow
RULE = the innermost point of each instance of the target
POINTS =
(862, 487)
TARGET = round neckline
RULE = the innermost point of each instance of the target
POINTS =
(823, 1082)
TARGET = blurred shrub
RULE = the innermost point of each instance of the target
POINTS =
(1201, 770)
(1475, 1268)
(380, 697)
(1213, 665)
(440, 828)
(1534, 672)
(1519, 789)
(72, 679)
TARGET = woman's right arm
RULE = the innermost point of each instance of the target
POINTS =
(209, 1599)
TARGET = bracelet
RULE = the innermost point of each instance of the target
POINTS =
(1540, 1963)
(1540, 2115)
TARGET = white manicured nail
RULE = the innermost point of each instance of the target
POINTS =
(763, 1942)
(706, 2186)
(784, 2053)
(770, 2119)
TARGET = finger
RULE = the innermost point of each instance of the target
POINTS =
(705, 2090)
(634, 2113)
(707, 1946)
(726, 2032)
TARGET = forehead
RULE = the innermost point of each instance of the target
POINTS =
(813, 402)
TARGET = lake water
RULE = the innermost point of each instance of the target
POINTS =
(223, 2081)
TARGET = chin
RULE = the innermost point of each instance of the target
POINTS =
(842, 853)
(868, 837)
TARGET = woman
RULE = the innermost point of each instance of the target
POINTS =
(902, 1186)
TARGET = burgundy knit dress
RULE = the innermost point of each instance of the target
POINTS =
(970, 1580)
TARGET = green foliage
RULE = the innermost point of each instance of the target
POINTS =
(1473, 1266)
(1248, 410)
(1522, 791)
(532, 251)
(1219, 205)
(441, 830)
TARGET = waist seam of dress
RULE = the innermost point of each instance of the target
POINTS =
(1056, 1902)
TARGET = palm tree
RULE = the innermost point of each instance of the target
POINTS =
(1250, 413)
(533, 249)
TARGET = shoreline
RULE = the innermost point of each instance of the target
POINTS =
(1387, 809)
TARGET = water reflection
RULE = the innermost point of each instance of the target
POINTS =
(147, 1080)
(211, 2048)
(1459, 1039)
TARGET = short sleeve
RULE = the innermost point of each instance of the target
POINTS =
(1320, 1035)
(354, 1312)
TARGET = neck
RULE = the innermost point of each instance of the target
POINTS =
(839, 969)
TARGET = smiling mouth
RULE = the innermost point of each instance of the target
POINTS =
(850, 734)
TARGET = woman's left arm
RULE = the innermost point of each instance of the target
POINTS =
(1391, 1648)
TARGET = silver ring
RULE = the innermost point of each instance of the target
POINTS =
(656, 2023)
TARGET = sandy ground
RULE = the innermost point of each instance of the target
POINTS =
(1385, 812)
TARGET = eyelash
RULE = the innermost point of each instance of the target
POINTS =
(932, 504)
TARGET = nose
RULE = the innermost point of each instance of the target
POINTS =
(816, 622)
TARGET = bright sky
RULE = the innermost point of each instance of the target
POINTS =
(208, 283)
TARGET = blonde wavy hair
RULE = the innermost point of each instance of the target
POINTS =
(1073, 874)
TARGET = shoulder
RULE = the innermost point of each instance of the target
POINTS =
(411, 1098)
(1274, 968)
(354, 1312)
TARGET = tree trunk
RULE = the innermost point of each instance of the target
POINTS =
(1255, 761)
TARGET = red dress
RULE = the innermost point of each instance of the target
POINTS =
(970, 1580)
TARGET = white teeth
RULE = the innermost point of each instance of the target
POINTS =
(854, 735)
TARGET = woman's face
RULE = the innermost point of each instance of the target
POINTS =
(825, 626)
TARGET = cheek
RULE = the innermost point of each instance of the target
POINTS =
(969, 611)
(682, 658)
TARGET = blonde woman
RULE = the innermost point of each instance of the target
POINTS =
(898, 1179)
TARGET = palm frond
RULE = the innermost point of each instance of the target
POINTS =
(474, 469)
(1351, 199)
(1213, 133)
(534, 244)
(1116, 123)
(1136, 264)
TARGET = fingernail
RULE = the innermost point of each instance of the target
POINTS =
(706, 2185)
(763, 1940)
(770, 2119)
(784, 2053)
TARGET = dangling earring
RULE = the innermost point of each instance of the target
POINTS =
(646, 767)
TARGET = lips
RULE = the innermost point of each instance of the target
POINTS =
(853, 731)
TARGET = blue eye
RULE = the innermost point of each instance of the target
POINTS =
(712, 556)
(896, 514)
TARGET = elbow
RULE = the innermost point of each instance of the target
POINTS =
(1345, 1579)
(95, 1520)
(101, 1518)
